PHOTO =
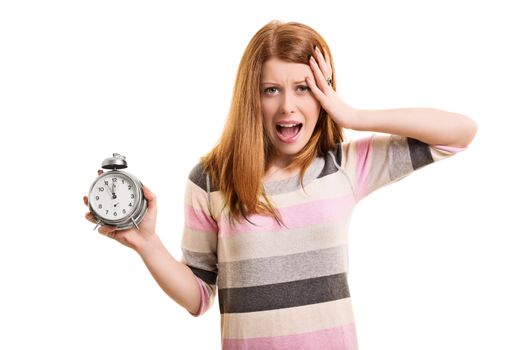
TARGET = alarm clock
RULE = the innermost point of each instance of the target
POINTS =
(116, 198)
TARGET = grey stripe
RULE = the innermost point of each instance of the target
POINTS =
(205, 261)
(284, 295)
(198, 177)
(294, 183)
(207, 276)
(399, 162)
(321, 166)
(332, 161)
(278, 269)
(419, 153)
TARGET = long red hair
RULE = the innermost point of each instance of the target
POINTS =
(237, 163)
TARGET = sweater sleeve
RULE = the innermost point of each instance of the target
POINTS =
(380, 159)
(199, 239)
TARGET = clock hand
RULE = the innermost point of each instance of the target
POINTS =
(112, 192)
(109, 189)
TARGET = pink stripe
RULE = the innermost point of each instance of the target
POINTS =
(363, 164)
(205, 298)
(198, 220)
(339, 338)
(449, 148)
(297, 216)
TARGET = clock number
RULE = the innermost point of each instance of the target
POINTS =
(100, 206)
(130, 205)
(123, 181)
(123, 211)
(101, 189)
(107, 211)
(129, 187)
(97, 198)
(114, 213)
(132, 195)
(106, 183)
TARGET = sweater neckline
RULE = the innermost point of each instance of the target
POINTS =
(293, 183)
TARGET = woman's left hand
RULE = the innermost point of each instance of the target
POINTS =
(344, 115)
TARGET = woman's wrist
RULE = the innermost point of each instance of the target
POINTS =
(355, 120)
(149, 245)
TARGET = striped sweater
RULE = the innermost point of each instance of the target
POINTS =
(287, 287)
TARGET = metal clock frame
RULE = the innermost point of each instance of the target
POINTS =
(131, 219)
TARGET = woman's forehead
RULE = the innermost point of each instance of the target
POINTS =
(275, 70)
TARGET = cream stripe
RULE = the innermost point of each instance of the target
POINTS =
(349, 160)
(287, 321)
(198, 241)
(266, 244)
(197, 198)
(193, 191)
(330, 186)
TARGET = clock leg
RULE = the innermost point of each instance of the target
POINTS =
(135, 223)
(98, 224)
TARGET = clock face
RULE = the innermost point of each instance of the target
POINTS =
(113, 196)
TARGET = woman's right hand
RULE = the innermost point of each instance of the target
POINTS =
(132, 238)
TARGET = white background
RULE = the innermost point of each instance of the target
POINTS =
(436, 260)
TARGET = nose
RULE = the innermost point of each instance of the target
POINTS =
(288, 103)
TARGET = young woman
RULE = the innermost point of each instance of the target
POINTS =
(267, 211)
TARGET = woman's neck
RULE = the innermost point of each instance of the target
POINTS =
(276, 170)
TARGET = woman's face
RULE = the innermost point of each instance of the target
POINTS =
(290, 110)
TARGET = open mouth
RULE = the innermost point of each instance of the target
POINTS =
(288, 132)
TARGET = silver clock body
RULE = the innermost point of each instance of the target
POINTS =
(116, 198)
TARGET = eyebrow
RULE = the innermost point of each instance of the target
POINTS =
(270, 83)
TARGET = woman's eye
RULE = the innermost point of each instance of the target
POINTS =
(274, 90)
(303, 88)
(270, 90)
